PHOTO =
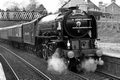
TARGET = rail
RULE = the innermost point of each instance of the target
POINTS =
(15, 75)
(40, 73)
(110, 76)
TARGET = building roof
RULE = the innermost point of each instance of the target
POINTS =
(92, 5)
(112, 8)
(74, 3)
(89, 4)
(110, 4)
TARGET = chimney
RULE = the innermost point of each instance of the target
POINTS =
(100, 3)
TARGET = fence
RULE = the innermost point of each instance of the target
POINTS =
(18, 15)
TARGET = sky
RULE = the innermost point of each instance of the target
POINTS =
(50, 5)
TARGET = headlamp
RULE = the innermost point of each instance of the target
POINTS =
(68, 44)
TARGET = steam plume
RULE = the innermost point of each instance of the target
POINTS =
(56, 64)
(90, 65)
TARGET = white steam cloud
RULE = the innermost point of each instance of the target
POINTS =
(56, 64)
(90, 65)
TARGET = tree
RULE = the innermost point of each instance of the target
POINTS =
(41, 9)
(13, 7)
(23, 9)
(7, 9)
(32, 6)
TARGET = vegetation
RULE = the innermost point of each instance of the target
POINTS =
(32, 6)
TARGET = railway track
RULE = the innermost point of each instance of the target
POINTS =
(109, 76)
(8, 70)
(97, 75)
(90, 76)
(41, 75)
(79, 76)
(68, 76)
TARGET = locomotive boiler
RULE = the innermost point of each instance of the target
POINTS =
(72, 33)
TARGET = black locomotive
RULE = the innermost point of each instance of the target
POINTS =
(71, 32)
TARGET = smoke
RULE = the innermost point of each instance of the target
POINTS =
(90, 65)
(56, 64)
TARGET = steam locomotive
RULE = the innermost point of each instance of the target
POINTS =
(71, 32)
